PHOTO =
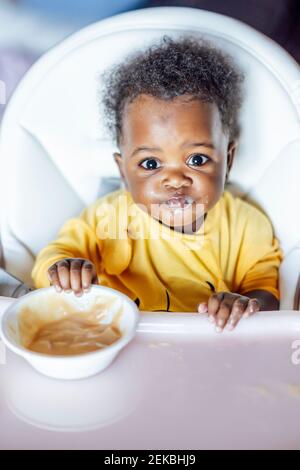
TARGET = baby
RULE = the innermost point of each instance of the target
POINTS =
(172, 239)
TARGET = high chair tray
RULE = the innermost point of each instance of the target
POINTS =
(178, 385)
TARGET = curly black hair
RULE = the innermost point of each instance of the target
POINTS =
(172, 68)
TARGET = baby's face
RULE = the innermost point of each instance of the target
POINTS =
(174, 158)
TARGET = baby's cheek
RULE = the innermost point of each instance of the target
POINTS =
(143, 191)
(213, 191)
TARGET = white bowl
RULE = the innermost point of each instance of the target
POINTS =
(73, 366)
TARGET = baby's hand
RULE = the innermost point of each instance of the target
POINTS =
(226, 308)
(75, 274)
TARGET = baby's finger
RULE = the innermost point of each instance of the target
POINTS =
(87, 275)
(203, 308)
(213, 306)
(223, 314)
(63, 270)
(237, 311)
(253, 307)
(53, 278)
(75, 276)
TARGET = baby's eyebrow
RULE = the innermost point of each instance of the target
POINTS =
(184, 144)
(139, 149)
(198, 144)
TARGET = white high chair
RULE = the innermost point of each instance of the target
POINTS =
(56, 156)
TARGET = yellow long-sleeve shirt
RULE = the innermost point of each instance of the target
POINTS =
(161, 269)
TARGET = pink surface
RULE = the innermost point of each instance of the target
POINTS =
(177, 385)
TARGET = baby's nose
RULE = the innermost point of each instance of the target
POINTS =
(176, 180)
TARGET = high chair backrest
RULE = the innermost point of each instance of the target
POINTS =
(56, 156)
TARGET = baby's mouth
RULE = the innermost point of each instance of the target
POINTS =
(179, 202)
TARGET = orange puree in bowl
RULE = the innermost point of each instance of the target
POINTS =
(74, 334)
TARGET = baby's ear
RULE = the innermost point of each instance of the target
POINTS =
(119, 162)
(231, 149)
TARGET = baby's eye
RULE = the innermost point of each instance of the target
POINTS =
(198, 159)
(150, 164)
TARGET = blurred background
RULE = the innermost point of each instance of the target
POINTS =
(29, 27)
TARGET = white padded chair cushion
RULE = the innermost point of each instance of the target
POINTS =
(278, 192)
